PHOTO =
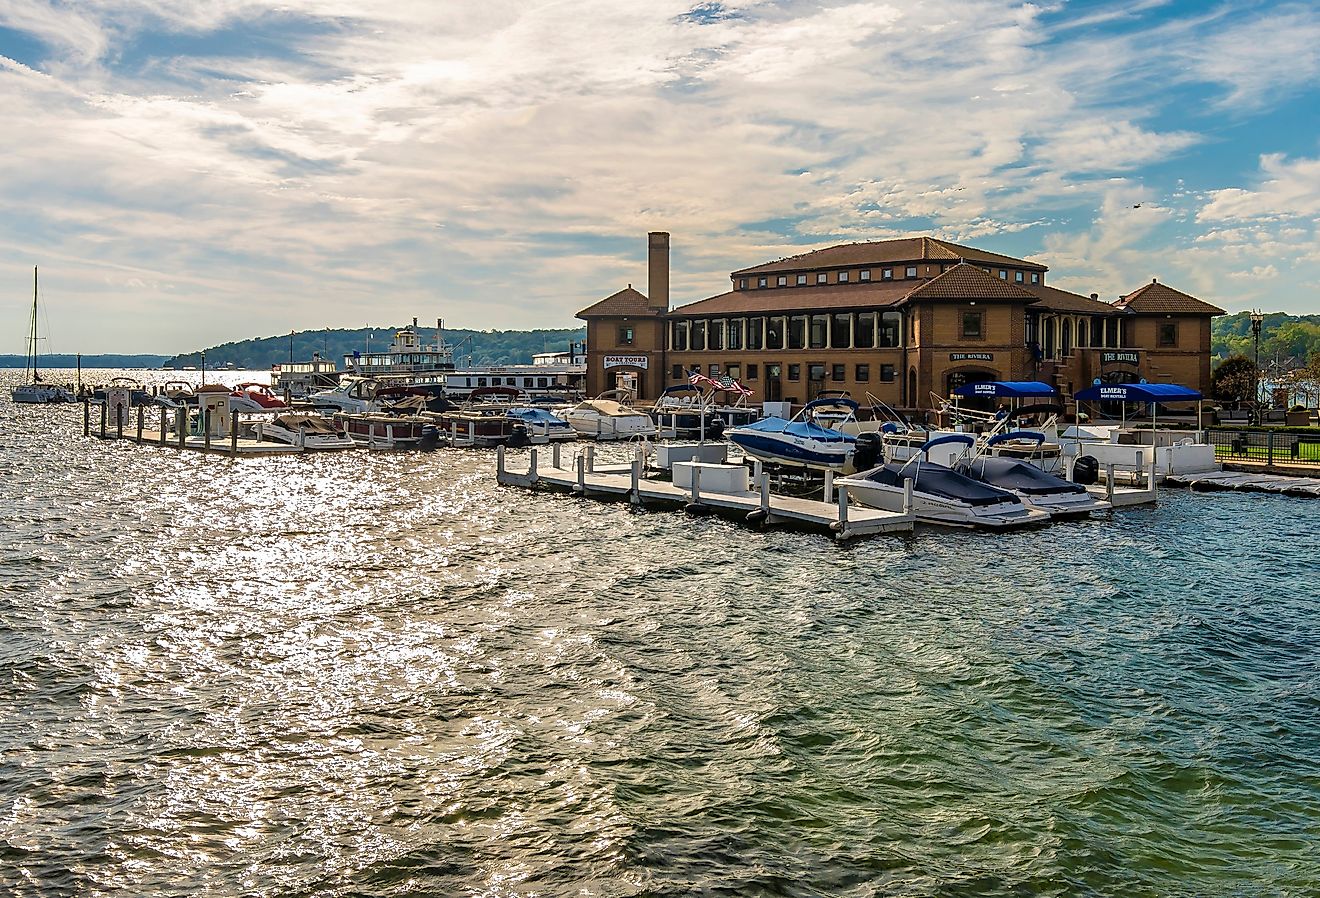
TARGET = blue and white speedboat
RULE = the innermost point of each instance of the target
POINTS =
(542, 426)
(804, 441)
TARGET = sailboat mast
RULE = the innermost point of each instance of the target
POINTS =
(32, 331)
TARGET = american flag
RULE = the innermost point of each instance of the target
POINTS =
(729, 383)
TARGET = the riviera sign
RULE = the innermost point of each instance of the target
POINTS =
(625, 361)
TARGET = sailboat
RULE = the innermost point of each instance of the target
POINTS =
(34, 392)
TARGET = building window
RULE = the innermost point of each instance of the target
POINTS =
(822, 278)
(760, 282)
(843, 277)
(864, 274)
(801, 280)
(864, 330)
(838, 373)
(755, 326)
(781, 281)
(625, 335)
(911, 271)
(733, 369)
(971, 326)
(841, 330)
(751, 372)
(863, 374)
(773, 370)
(481, 381)
(714, 369)
(734, 340)
(678, 338)
(891, 329)
(1168, 333)
(1035, 277)
(715, 330)
(1083, 338)
(1017, 276)
(774, 332)
(1003, 275)
(816, 373)
(698, 336)
(817, 333)
(797, 331)
(794, 372)
(676, 373)
(886, 274)
(887, 374)
(742, 283)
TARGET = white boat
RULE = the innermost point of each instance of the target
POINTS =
(606, 418)
(1036, 488)
(940, 495)
(814, 438)
(542, 426)
(306, 431)
(34, 392)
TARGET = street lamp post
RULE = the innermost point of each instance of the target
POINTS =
(1257, 318)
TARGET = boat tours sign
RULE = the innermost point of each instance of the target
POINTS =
(1117, 358)
(971, 356)
(625, 361)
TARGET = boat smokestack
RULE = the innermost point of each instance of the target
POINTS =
(657, 258)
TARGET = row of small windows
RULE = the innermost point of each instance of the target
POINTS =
(774, 370)
(841, 330)
(526, 383)
(864, 276)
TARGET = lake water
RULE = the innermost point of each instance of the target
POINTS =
(382, 674)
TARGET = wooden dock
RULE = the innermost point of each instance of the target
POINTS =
(171, 432)
(583, 477)
(1308, 487)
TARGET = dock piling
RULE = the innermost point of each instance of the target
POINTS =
(580, 461)
(696, 485)
(554, 456)
(591, 459)
(119, 422)
(843, 514)
(1109, 483)
(233, 433)
(635, 491)
(181, 425)
(907, 495)
(765, 492)
(87, 417)
(164, 415)
(105, 410)
(499, 463)
(206, 429)
(531, 466)
(140, 422)
(829, 487)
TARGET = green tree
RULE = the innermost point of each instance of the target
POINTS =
(1234, 380)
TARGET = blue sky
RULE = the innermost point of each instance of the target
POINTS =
(187, 172)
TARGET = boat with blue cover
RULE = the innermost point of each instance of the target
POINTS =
(804, 441)
(1036, 488)
(542, 425)
(941, 495)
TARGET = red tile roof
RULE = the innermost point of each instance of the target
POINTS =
(802, 299)
(1157, 298)
(626, 302)
(966, 281)
(1056, 300)
(881, 252)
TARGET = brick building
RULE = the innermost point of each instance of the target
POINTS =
(899, 319)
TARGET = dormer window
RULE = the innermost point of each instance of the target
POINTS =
(843, 277)
(886, 274)
(760, 282)
(801, 280)
(912, 271)
(864, 274)
(822, 278)
(742, 283)
(1035, 277)
(782, 281)
(1003, 275)
(1017, 276)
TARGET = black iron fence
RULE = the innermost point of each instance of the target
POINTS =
(1268, 446)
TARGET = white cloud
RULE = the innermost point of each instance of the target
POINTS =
(1287, 189)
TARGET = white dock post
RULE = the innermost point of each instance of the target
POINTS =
(635, 494)
(554, 456)
(453, 433)
(581, 474)
(531, 467)
(591, 459)
(696, 484)
(907, 495)
(843, 514)
(1070, 463)
(1109, 483)
(371, 437)
(765, 492)
(206, 428)
(829, 486)
(756, 469)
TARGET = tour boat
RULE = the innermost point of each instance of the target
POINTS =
(813, 438)
(940, 495)
(34, 392)
(606, 418)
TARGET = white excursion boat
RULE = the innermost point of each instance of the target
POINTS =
(606, 418)
(34, 392)
(940, 495)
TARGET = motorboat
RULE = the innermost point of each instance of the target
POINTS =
(35, 391)
(308, 431)
(485, 421)
(683, 412)
(542, 425)
(253, 397)
(351, 394)
(1036, 488)
(382, 431)
(607, 418)
(176, 394)
(940, 495)
(812, 438)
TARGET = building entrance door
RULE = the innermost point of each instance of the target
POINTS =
(957, 379)
(629, 381)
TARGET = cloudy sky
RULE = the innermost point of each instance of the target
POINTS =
(187, 172)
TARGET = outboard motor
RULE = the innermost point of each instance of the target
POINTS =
(519, 438)
(869, 451)
(430, 438)
(1086, 470)
(715, 427)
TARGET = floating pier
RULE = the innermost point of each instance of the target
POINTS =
(1308, 487)
(171, 430)
(758, 506)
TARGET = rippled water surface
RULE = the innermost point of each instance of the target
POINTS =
(383, 675)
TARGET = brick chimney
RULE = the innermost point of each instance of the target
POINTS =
(657, 262)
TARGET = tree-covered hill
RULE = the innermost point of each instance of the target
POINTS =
(1282, 337)
(481, 347)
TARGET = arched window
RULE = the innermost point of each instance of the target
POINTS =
(1082, 341)
(1048, 325)
(1065, 338)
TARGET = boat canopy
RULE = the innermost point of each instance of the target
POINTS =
(1014, 388)
(1138, 393)
(679, 388)
(536, 416)
(965, 439)
(1034, 436)
(833, 400)
(805, 429)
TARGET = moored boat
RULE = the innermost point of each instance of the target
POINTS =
(309, 431)
(812, 438)
(35, 391)
(607, 418)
